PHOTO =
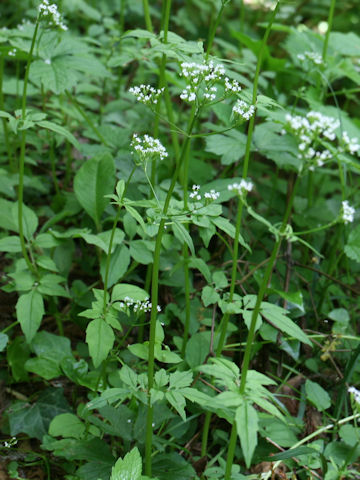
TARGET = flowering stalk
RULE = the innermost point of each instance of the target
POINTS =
(155, 294)
(147, 16)
(254, 316)
(214, 28)
(29, 263)
(225, 319)
(108, 258)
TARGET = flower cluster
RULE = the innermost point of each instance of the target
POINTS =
(356, 393)
(204, 74)
(13, 441)
(351, 144)
(232, 86)
(209, 196)
(138, 306)
(147, 148)
(50, 11)
(242, 187)
(312, 56)
(243, 110)
(310, 130)
(146, 94)
(347, 212)
(12, 52)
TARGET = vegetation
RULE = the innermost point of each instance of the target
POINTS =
(180, 242)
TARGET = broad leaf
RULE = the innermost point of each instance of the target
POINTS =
(94, 180)
(100, 338)
(128, 468)
(246, 419)
(29, 312)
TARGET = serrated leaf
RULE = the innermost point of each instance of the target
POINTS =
(231, 146)
(123, 290)
(100, 338)
(352, 248)
(128, 468)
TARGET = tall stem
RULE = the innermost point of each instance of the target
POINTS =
(29, 264)
(225, 319)
(328, 31)
(147, 16)
(254, 316)
(213, 30)
(154, 296)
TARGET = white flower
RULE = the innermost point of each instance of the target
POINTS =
(12, 52)
(356, 393)
(147, 148)
(242, 187)
(138, 306)
(351, 144)
(243, 109)
(146, 93)
(347, 212)
(201, 74)
(47, 61)
(50, 11)
(212, 195)
(232, 85)
(312, 56)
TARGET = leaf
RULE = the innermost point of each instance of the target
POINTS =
(200, 265)
(246, 419)
(292, 453)
(3, 341)
(197, 348)
(54, 127)
(231, 146)
(123, 290)
(317, 395)
(209, 296)
(119, 263)
(34, 419)
(128, 468)
(67, 425)
(100, 338)
(95, 179)
(276, 316)
(229, 229)
(352, 248)
(10, 244)
(177, 400)
(140, 252)
(30, 220)
(182, 234)
(29, 312)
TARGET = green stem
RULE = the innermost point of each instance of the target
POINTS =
(225, 319)
(154, 297)
(213, 30)
(147, 16)
(87, 119)
(108, 258)
(255, 313)
(29, 264)
(328, 31)
(4, 120)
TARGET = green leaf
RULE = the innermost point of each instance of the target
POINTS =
(229, 229)
(197, 348)
(231, 146)
(177, 400)
(352, 248)
(183, 235)
(34, 419)
(200, 265)
(128, 468)
(209, 296)
(119, 263)
(29, 312)
(292, 453)
(3, 341)
(67, 425)
(54, 127)
(10, 244)
(276, 316)
(95, 179)
(30, 220)
(317, 395)
(123, 290)
(140, 252)
(100, 338)
(246, 419)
